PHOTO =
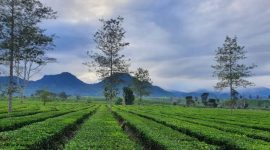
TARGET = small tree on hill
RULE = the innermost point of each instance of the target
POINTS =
(142, 83)
(128, 96)
(229, 69)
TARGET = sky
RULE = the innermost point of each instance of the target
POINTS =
(174, 39)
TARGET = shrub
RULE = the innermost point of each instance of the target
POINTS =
(119, 101)
(63, 96)
(189, 101)
(89, 100)
(174, 102)
(212, 103)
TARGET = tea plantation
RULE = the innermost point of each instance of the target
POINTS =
(83, 125)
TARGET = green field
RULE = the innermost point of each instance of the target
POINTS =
(84, 125)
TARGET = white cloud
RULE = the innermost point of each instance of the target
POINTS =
(68, 63)
(175, 40)
(78, 11)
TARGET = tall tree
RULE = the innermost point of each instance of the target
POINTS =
(142, 83)
(128, 96)
(204, 98)
(16, 16)
(108, 62)
(7, 36)
(229, 69)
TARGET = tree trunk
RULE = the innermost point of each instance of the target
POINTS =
(25, 80)
(231, 84)
(231, 96)
(124, 101)
(9, 102)
(140, 99)
(21, 94)
(11, 60)
(18, 78)
(231, 91)
(111, 82)
(111, 96)
(111, 104)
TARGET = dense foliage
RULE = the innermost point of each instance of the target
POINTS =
(128, 96)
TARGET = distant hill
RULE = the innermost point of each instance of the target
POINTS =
(73, 86)
(261, 92)
(64, 82)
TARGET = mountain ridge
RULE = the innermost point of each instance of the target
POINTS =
(70, 84)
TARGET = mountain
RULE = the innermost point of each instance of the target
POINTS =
(254, 92)
(73, 86)
(62, 82)
(262, 92)
(127, 81)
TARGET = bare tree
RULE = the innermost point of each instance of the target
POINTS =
(32, 57)
(142, 83)
(229, 69)
(107, 62)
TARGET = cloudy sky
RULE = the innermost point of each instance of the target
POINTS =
(174, 39)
